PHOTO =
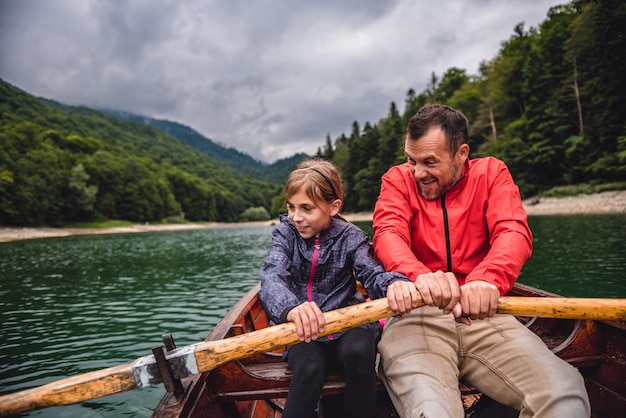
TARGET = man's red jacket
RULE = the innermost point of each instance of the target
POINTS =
(478, 229)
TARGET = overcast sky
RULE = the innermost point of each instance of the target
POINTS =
(267, 77)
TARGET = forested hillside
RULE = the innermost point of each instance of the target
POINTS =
(61, 164)
(551, 104)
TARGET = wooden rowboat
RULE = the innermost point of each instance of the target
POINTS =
(258, 385)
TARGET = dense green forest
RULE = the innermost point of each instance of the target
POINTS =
(61, 164)
(551, 104)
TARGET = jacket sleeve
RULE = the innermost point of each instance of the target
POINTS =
(276, 294)
(392, 226)
(370, 272)
(510, 236)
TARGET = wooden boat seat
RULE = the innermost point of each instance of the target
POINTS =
(267, 374)
(278, 371)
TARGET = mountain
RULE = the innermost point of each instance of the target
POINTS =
(274, 173)
(62, 164)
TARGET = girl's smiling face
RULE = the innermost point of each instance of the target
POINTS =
(308, 216)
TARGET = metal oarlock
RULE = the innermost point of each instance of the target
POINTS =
(169, 381)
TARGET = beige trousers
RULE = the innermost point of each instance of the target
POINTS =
(424, 354)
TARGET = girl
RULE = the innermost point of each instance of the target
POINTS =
(314, 261)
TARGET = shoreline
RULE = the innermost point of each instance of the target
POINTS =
(597, 203)
(613, 201)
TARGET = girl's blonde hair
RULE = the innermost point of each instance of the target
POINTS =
(320, 179)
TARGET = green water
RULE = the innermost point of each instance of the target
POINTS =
(578, 256)
(77, 304)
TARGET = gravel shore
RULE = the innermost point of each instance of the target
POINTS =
(605, 202)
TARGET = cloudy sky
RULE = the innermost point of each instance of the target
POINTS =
(267, 77)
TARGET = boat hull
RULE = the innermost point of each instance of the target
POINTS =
(257, 386)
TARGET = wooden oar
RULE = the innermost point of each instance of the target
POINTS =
(205, 356)
(564, 308)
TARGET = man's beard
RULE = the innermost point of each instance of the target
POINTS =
(442, 189)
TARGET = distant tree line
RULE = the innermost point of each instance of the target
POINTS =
(551, 104)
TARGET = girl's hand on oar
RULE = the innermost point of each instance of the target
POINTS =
(309, 321)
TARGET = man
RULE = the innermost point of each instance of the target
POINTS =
(457, 228)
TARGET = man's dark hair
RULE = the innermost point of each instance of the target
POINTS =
(452, 122)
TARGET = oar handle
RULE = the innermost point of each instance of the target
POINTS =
(564, 308)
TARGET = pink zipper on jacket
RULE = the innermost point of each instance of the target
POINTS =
(316, 248)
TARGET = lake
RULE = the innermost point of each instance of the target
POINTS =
(76, 304)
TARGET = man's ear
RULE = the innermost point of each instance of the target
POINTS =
(463, 153)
